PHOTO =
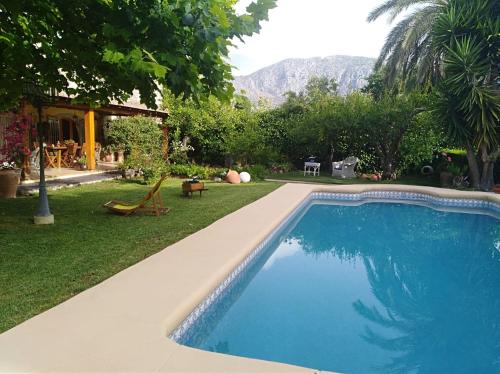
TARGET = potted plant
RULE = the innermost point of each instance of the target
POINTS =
(219, 176)
(120, 153)
(82, 162)
(13, 154)
(109, 153)
(191, 185)
(127, 169)
(460, 179)
(10, 176)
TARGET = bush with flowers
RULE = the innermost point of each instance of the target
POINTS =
(14, 151)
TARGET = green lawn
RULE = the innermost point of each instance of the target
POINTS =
(42, 266)
(327, 178)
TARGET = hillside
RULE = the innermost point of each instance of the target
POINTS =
(273, 81)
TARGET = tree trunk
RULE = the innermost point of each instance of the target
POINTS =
(387, 167)
(473, 167)
(330, 163)
(487, 176)
(486, 183)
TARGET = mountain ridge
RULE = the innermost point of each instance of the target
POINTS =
(292, 74)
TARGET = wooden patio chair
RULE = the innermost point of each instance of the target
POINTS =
(50, 158)
(71, 154)
(152, 198)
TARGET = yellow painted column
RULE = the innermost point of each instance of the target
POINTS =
(90, 139)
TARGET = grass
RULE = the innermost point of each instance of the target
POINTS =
(41, 266)
(325, 177)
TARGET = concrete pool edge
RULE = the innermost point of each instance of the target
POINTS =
(122, 324)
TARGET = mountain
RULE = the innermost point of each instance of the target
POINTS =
(292, 74)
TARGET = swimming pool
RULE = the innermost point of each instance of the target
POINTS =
(353, 284)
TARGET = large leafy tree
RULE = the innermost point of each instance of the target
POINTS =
(98, 50)
(318, 87)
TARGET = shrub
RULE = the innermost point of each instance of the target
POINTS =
(190, 170)
(151, 169)
(257, 172)
(179, 152)
(137, 133)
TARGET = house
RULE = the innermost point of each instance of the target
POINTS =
(79, 122)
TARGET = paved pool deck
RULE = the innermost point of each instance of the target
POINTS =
(122, 324)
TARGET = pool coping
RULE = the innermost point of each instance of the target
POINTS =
(122, 324)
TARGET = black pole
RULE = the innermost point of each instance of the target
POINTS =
(42, 215)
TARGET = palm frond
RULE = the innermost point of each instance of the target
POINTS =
(396, 7)
(393, 40)
(468, 72)
(381, 9)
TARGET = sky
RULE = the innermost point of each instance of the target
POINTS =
(310, 28)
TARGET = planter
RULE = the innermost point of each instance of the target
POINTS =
(120, 156)
(9, 179)
(445, 178)
(82, 167)
(189, 188)
(496, 188)
(232, 177)
(108, 158)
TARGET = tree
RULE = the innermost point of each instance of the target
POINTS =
(454, 46)
(100, 50)
(318, 87)
(241, 101)
(408, 51)
(467, 36)
(375, 85)
(387, 125)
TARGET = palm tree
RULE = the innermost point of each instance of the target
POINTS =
(453, 45)
(408, 52)
(466, 35)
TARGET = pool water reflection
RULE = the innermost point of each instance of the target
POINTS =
(380, 287)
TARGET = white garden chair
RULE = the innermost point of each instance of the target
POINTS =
(35, 163)
(345, 168)
(311, 168)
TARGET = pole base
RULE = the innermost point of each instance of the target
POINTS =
(44, 220)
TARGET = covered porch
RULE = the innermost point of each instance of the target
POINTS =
(73, 133)
(83, 125)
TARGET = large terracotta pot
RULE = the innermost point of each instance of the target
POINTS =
(9, 179)
(233, 177)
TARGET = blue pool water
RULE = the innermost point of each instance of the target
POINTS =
(379, 287)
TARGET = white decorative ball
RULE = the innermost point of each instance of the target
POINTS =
(245, 177)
